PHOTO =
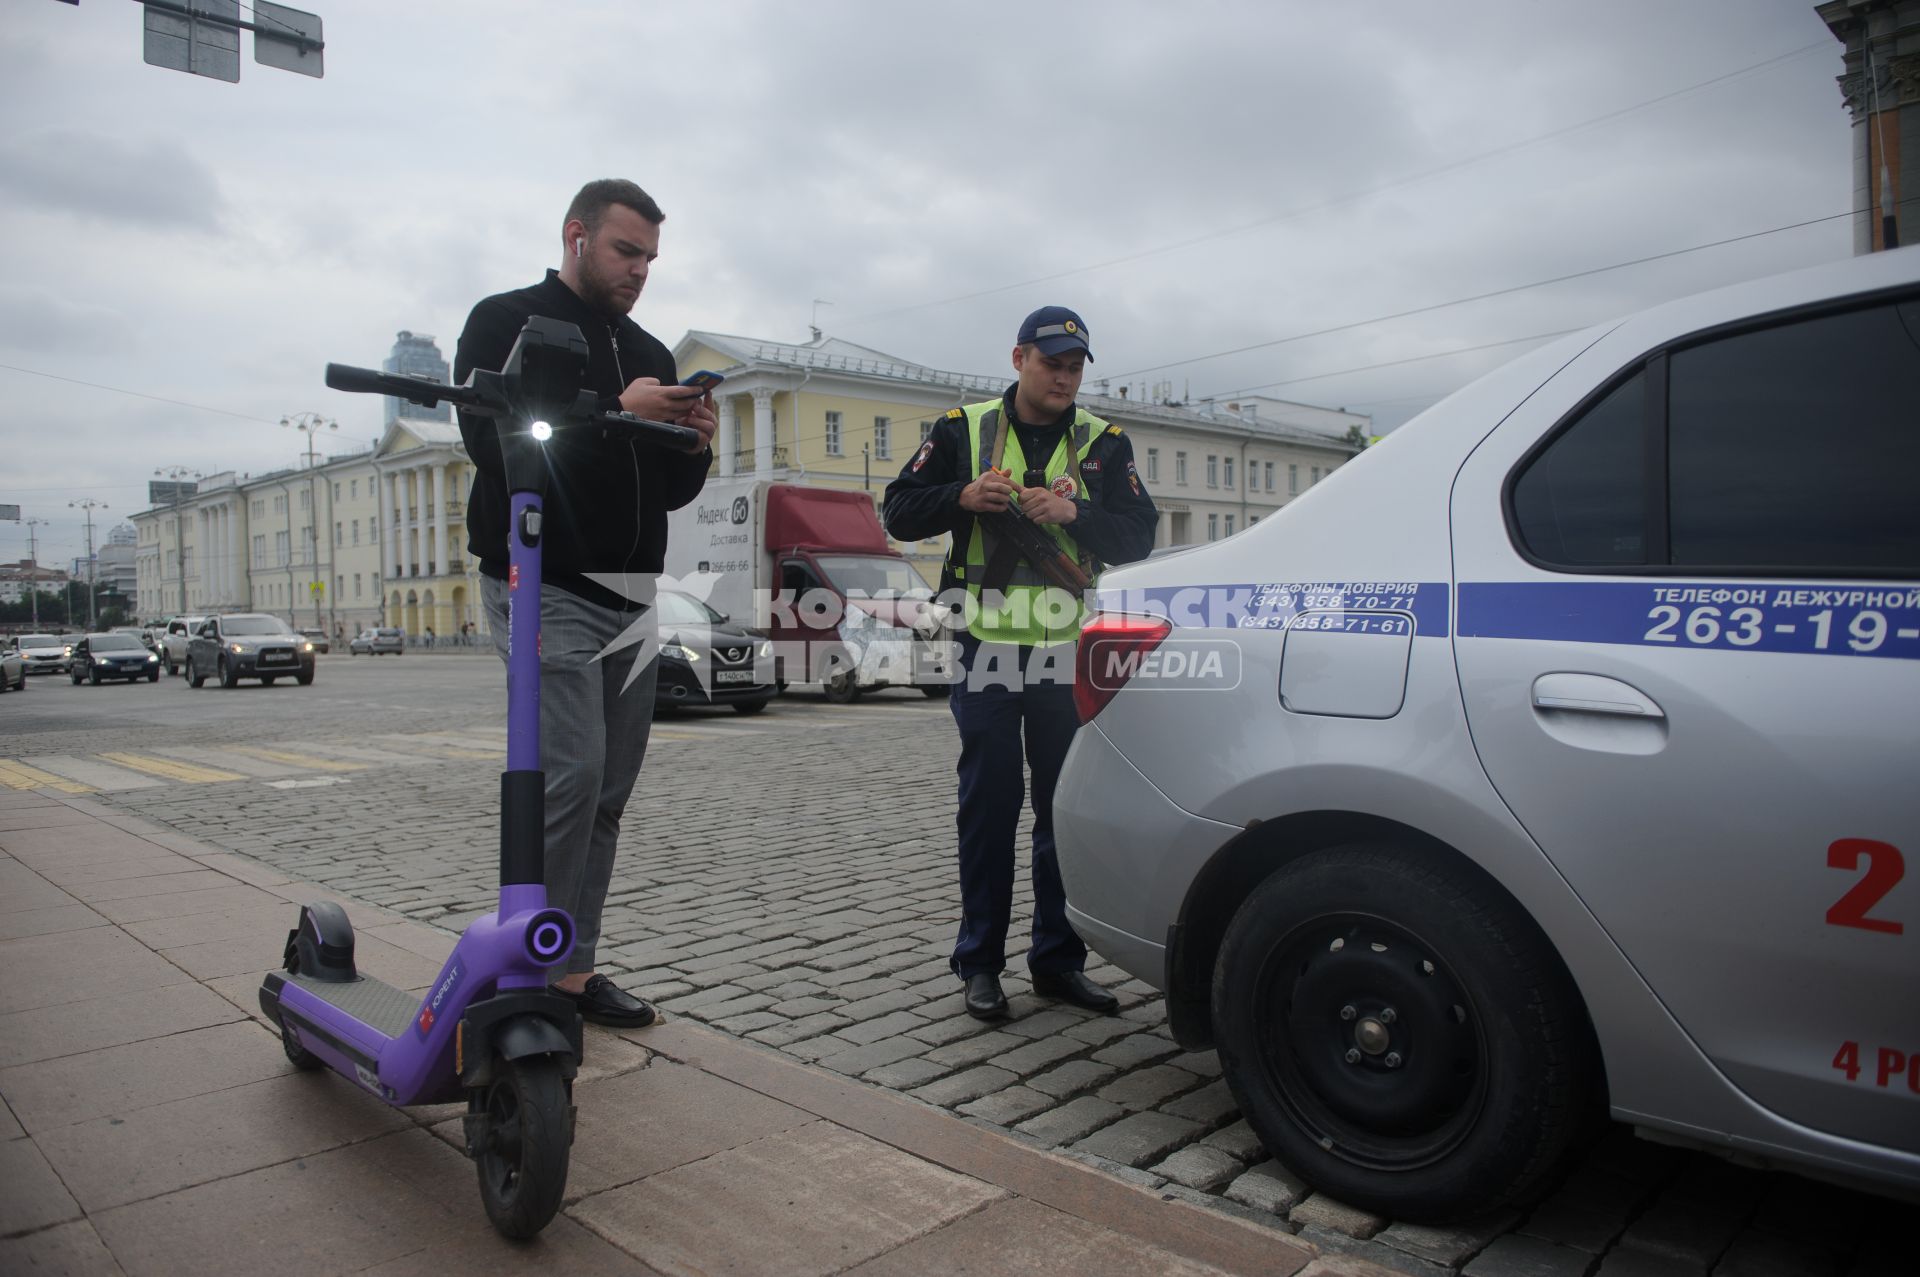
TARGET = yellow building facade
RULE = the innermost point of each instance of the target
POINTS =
(831, 413)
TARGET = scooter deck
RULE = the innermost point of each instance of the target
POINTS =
(375, 1004)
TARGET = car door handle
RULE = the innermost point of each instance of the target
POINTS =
(1592, 694)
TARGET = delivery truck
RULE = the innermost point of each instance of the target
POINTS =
(811, 568)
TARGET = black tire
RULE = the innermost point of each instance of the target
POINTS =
(841, 689)
(1463, 1100)
(935, 691)
(153, 675)
(74, 677)
(523, 1168)
(750, 707)
(266, 680)
(305, 678)
(173, 667)
(93, 677)
(227, 677)
(299, 1056)
(194, 677)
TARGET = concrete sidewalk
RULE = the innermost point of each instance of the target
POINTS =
(153, 1125)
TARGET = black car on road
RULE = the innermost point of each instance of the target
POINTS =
(706, 659)
(248, 645)
(99, 657)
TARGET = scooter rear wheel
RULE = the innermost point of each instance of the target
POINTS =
(298, 1055)
(523, 1168)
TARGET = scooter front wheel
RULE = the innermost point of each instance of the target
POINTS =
(523, 1166)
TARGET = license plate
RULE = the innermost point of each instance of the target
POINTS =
(277, 658)
(733, 676)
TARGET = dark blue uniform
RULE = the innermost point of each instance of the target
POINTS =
(997, 717)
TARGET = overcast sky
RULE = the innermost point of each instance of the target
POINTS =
(1193, 178)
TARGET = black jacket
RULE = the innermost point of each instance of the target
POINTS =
(607, 503)
(1116, 526)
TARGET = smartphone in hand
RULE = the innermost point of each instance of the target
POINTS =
(703, 380)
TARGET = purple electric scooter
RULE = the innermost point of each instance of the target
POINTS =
(489, 1026)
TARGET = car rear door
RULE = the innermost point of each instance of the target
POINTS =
(1689, 646)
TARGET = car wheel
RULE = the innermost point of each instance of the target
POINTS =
(266, 680)
(935, 691)
(153, 675)
(841, 689)
(750, 707)
(75, 676)
(93, 677)
(304, 678)
(1400, 1034)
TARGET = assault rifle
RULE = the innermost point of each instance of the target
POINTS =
(1021, 538)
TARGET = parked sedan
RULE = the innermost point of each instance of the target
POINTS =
(1555, 756)
(99, 657)
(45, 653)
(13, 670)
(248, 645)
(705, 659)
(373, 642)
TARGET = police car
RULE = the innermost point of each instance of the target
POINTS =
(1558, 755)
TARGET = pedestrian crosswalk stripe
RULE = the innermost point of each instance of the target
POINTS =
(95, 772)
(168, 769)
(17, 775)
(298, 760)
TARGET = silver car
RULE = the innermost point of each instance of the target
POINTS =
(45, 653)
(1556, 756)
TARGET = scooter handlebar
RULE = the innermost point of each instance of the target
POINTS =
(661, 432)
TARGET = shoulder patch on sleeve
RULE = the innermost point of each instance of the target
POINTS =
(955, 414)
(1113, 430)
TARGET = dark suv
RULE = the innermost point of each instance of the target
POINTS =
(248, 645)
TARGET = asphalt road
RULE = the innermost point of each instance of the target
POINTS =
(788, 877)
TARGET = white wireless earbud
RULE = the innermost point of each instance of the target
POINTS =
(579, 247)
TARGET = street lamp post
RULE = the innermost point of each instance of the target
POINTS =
(89, 505)
(310, 424)
(176, 476)
(33, 569)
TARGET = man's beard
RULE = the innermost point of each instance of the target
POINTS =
(601, 294)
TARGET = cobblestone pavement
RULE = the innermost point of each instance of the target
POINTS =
(788, 878)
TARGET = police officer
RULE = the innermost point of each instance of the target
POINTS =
(1073, 475)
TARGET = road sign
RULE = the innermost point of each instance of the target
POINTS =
(10, 513)
(197, 36)
(317, 588)
(286, 38)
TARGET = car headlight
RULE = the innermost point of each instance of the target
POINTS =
(306, 647)
(235, 648)
(680, 652)
(152, 659)
(766, 648)
(66, 651)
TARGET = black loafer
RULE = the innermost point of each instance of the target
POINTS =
(985, 1001)
(604, 1002)
(1074, 987)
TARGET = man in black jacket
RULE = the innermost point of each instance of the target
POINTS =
(605, 517)
(1072, 474)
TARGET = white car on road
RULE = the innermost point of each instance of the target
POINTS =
(1561, 751)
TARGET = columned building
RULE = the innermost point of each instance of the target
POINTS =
(1881, 88)
(834, 414)
(373, 538)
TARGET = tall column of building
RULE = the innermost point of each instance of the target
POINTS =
(237, 554)
(417, 523)
(384, 513)
(401, 562)
(729, 441)
(1881, 88)
(762, 432)
(440, 518)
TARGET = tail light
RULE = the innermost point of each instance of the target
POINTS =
(1111, 645)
